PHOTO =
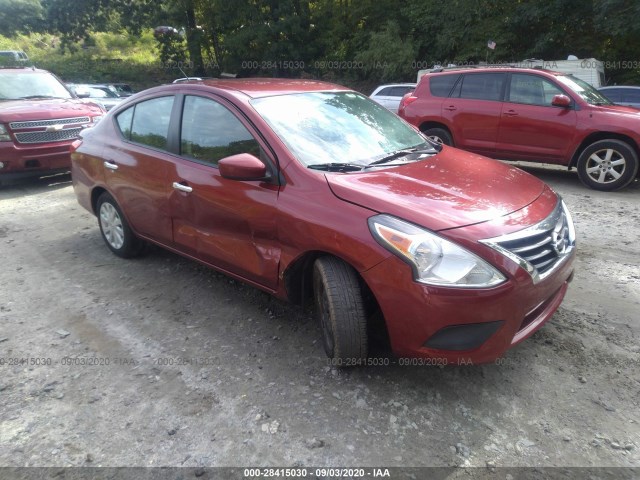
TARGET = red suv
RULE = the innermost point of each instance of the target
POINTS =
(529, 114)
(308, 190)
(39, 118)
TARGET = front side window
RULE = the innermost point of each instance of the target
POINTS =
(211, 132)
(532, 90)
(147, 122)
(482, 86)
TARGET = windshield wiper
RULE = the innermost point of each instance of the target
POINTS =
(403, 153)
(30, 97)
(337, 167)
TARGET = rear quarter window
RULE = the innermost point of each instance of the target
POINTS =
(441, 85)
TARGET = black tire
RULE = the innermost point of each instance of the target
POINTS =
(439, 135)
(608, 165)
(340, 310)
(115, 230)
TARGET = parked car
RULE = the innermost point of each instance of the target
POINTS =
(306, 189)
(39, 118)
(389, 96)
(622, 95)
(121, 89)
(191, 79)
(529, 114)
(100, 94)
(13, 57)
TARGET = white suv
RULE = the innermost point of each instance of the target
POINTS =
(389, 96)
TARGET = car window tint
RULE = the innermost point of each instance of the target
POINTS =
(441, 85)
(400, 91)
(482, 86)
(150, 124)
(384, 91)
(631, 96)
(211, 132)
(124, 122)
(613, 94)
(532, 90)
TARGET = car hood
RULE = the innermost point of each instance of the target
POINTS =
(448, 190)
(618, 110)
(25, 110)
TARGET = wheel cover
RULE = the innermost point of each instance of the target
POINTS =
(111, 225)
(606, 166)
(436, 139)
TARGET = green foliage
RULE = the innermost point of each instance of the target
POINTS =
(350, 41)
(20, 16)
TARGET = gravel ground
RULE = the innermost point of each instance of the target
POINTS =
(162, 362)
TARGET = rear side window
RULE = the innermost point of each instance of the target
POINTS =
(631, 96)
(613, 94)
(211, 132)
(400, 91)
(482, 86)
(147, 122)
(441, 85)
(384, 92)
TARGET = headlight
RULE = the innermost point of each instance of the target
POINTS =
(96, 119)
(4, 134)
(434, 260)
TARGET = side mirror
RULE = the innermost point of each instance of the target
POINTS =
(561, 101)
(242, 166)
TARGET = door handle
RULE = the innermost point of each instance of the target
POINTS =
(110, 166)
(511, 113)
(182, 188)
(451, 108)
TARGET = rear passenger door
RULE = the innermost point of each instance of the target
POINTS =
(531, 128)
(473, 111)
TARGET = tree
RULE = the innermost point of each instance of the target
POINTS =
(20, 16)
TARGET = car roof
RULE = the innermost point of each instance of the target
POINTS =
(24, 69)
(493, 69)
(407, 84)
(261, 87)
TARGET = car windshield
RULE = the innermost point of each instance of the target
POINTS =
(16, 86)
(336, 127)
(586, 91)
(97, 92)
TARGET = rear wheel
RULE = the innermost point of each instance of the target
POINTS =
(115, 230)
(439, 135)
(608, 165)
(340, 310)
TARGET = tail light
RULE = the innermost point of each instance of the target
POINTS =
(407, 100)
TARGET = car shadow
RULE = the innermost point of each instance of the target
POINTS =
(34, 185)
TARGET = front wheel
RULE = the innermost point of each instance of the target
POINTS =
(115, 230)
(608, 165)
(439, 135)
(340, 309)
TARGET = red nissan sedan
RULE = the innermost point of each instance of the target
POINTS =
(309, 190)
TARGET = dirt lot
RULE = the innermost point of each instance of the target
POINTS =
(162, 362)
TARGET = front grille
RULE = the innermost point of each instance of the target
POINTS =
(539, 249)
(47, 123)
(46, 137)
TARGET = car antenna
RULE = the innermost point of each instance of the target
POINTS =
(182, 72)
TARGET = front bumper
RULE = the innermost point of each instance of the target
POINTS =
(32, 160)
(463, 326)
